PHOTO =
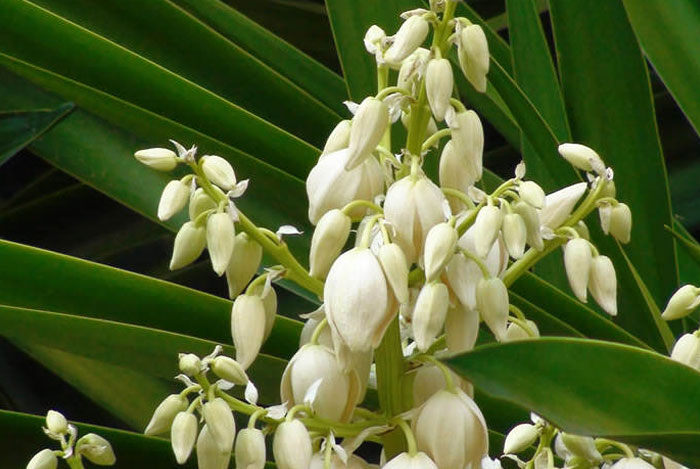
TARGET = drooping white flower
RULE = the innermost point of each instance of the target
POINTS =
(200, 202)
(429, 380)
(581, 446)
(486, 228)
(559, 205)
(531, 193)
(602, 284)
(473, 54)
(165, 413)
(243, 264)
(292, 446)
(56, 423)
(492, 303)
(250, 449)
(410, 35)
(429, 314)
(412, 69)
(229, 369)
(209, 454)
(329, 237)
(577, 262)
(44, 459)
(419, 460)
(468, 140)
(514, 234)
(219, 418)
(519, 438)
(580, 156)
(220, 241)
(339, 137)
(393, 262)
(188, 246)
(439, 83)
(682, 303)
(440, 244)
(183, 434)
(632, 463)
(620, 225)
(516, 332)
(532, 223)
(368, 126)
(218, 171)
(461, 328)
(247, 328)
(687, 351)
(455, 173)
(160, 159)
(173, 199)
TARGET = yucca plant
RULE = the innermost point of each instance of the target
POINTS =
(441, 242)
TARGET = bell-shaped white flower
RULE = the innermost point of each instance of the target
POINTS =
(581, 156)
(519, 438)
(329, 237)
(473, 54)
(531, 193)
(173, 199)
(577, 262)
(516, 332)
(413, 207)
(96, 449)
(496, 260)
(44, 459)
(209, 454)
(620, 225)
(492, 303)
(632, 463)
(559, 205)
(200, 202)
(243, 264)
(461, 328)
(189, 244)
(463, 275)
(229, 369)
(419, 460)
(581, 446)
(429, 314)
(165, 413)
(357, 299)
(602, 284)
(247, 328)
(56, 423)
(339, 137)
(368, 126)
(429, 379)
(183, 434)
(531, 218)
(292, 446)
(439, 248)
(682, 303)
(307, 331)
(410, 35)
(514, 234)
(439, 83)
(451, 430)
(687, 351)
(468, 140)
(413, 68)
(218, 171)
(160, 159)
(353, 462)
(393, 262)
(219, 418)
(220, 241)
(455, 173)
(250, 449)
(486, 228)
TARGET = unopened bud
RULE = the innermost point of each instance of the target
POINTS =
(410, 35)
(189, 244)
(621, 222)
(173, 199)
(209, 455)
(438, 85)
(439, 247)
(687, 351)
(44, 459)
(581, 446)
(473, 54)
(514, 235)
(411, 69)
(218, 171)
(603, 284)
(577, 263)
(56, 423)
(395, 267)
(200, 202)
(419, 460)
(682, 303)
(463, 275)
(632, 463)
(339, 137)
(531, 193)
(250, 449)
(183, 434)
(468, 138)
(160, 159)
(429, 314)
(519, 438)
(229, 369)
(516, 332)
(486, 227)
(96, 449)
(559, 205)
(455, 173)
(492, 303)
(461, 328)
(368, 126)
(580, 156)
(292, 446)
(247, 328)
(243, 264)
(219, 418)
(220, 241)
(329, 237)
(165, 413)
(532, 223)
(190, 364)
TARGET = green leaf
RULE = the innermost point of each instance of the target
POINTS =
(601, 389)
(606, 87)
(668, 33)
(20, 128)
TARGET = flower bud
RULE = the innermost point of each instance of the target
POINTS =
(687, 351)
(429, 379)
(603, 284)
(247, 328)
(439, 83)
(160, 159)
(244, 264)
(250, 449)
(44, 459)
(581, 446)
(220, 241)
(461, 328)
(56, 423)
(419, 460)
(209, 455)
(463, 275)
(270, 304)
(559, 205)
(577, 262)
(519, 438)
(190, 364)
(96, 449)
(580, 156)
(439, 247)
(473, 54)
(410, 35)
(329, 237)
(492, 303)
(411, 69)
(486, 227)
(468, 138)
(620, 223)
(357, 300)
(200, 202)
(682, 303)
(496, 260)
(532, 223)
(451, 430)
(516, 332)
(165, 413)
(189, 244)
(218, 171)
(632, 463)
(368, 126)
(292, 446)
(353, 462)
(514, 234)
(395, 267)
(455, 173)
(429, 314)
(183, 434)
(173, 199)
(339, 137)
(229, 369)
(219, 418)
(531, 193)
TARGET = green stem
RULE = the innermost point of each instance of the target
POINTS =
(389, 90)
(410, 439)
(459, 195)
(469, 255)
(75, 462)
(433, 139)
(361, 203)
(317, 331)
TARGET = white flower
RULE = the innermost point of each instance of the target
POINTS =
(395, 267)
(516, 332)
(419, 460)
(559, 205)
(473, 54)
(687, 351)
(165, 413)
(580, 156)
(461, 328)
(329, 237)
(429, 380)
(209, 455)
(514, 234)
(581, 446)
(56, 423)
(531, 193)
(160, 159)
(243, 264)
(173, 199)
(486, 228)
(189, 244)
(247, 328)
(632, 463)
(410, 35)
(218, 171)
(468, 140)
(455, 173)
(339, 137)
(492, 303)
(183, 434)
(200, 202)
(603, 284)
(368, 126)
(429, 314)
(620, 224)
(519, 438)
(250, 449)
(439, 83)
(531, 218)
(682, 303)
(229, 369)
(577, 262)
(44, 459)
(439, 248)
(219, 418)
(292, 446)
(220, 241)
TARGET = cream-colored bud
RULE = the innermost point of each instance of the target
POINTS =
(687, 351)
(473, 54)
(200, 202)
(190, 364)
(429, 314)
(189, 244)
(165, 413)
(183, 434)
(220, 241)
(96, 449)
(486, 227)
(682, 303)
(173, 199)
(218, 171)
(580, 156)
(335, 397)
(411, 69)
(439, 247)
(463, 275)
(56, 423)
(368, 126)
(44, 459)
(393, 262)
(455, 173)
(461, 328)
(419, 460)
(581, 446)
(496, 260)
(514, 234)
(429, 379)
(577, 262)
(632, 463)
(247, 328)
(292, 446)
(468, 141)
(329, 237)
(243, 264)
(492, 303)
(531, 193)
(357, 300)
(559, 205)
(439, 83)
(602, 284)
(410, 35)
(209, 455)
(229, 369)
(160, 159)
(339, 137)
(516, 332)
(270, 304)
(250, 449)
(353, 462)
(604, 212)
(450, 429)
(219, 418)
(519, 438)
(621, 223)
(532, 223)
